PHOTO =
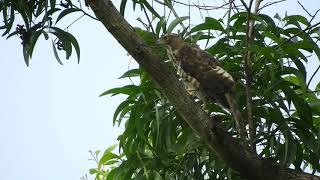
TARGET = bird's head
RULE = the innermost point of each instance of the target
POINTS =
(173, 41)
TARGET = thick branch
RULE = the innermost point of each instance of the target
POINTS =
(248, 164)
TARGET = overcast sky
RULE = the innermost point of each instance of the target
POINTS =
(51, 115)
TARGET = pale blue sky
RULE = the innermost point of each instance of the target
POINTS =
(51, 115)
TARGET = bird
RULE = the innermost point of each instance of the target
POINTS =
(202, 75)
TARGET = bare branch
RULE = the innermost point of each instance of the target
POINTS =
(150, 23)
(245, 5)
(204, 7)
(304, 8)
(176, 15)
(269, 4)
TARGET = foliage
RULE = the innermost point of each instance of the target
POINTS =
(35, 18)
(156, 142)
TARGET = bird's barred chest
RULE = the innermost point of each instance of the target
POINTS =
(192, 85)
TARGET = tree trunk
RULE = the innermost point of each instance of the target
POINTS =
(238, 157)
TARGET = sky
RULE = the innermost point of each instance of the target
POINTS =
(51, 115)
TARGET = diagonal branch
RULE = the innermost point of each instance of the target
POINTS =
(241, 159)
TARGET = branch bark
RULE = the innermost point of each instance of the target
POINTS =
(241, 159)
(248, 73)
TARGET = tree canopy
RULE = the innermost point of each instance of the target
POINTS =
(167, 135)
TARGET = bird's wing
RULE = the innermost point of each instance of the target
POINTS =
(203, 67)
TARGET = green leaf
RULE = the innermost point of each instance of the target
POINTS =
(93, 171)
(120, 108)
(41, 5)
(52, 4)
(150, 8)
(106, 157)
(8, 25)
(209, 24)
(175, 22)
(56, 53)
(131, 73)
(277, 16)
(123, 6)
(128, 90)
(300, 104)
(110, 148)
(161, 25)
(33, 40)
(49, 13)
(24, 17)
(67, 40)
(111, 174)
(294, 19)
(26, 55)
(66, 12)
(46, 36)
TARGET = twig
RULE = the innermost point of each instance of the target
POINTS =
(270, 3)
(315, 14)
(85, 13)
(229, 16)
(315, 72)
(304, 8)
(245, 5)
(74, 21)
(150, 24)
(312, 16)
(204, 7)
(235, 7)
(298, 33)
(176, 15)
(248, 72)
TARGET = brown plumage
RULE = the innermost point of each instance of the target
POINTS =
(202, 73)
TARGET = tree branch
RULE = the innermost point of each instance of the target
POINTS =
(241, 159)
(248, 73)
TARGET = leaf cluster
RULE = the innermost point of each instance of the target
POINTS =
(157, 144)
(35, 18)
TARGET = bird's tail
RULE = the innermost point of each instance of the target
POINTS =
(237, 116)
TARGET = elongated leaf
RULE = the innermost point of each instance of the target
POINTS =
(300, 104)
(150, 8)
(33, 40)
(123, 6)
(56, 53)
(209, 24)
(67, 40)
(41, 5)
(66, 12)
(110, 148)
(106, 157)
(8, 25)
(175, 22)
(131, 73)
(26, 55)
(294, 19)
(161, 25)
(128, 90)
(49, 13)
(120, 108)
